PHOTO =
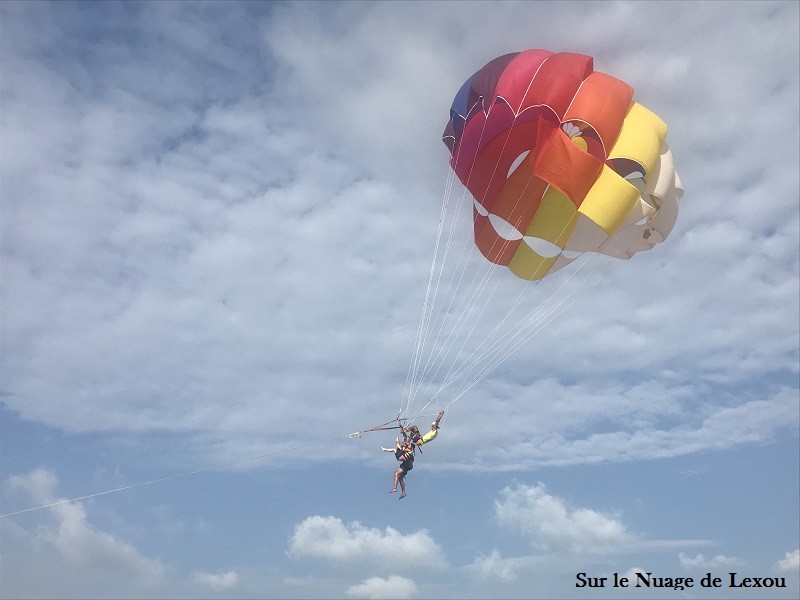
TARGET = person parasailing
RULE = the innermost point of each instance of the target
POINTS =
(431, 435)
(416, 437)
(404, 450)
(405, 454)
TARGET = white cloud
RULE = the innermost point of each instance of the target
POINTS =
(496, 568)
(701, 562)
(635, 427)
(194, 217)
(393, 586)
(555, 526)
(331, 539)
(95, 553)
(216, 581)
(790, 563)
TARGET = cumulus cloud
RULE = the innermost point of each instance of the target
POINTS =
(393, 586)
(555, 526)
(496, 568)
(216, 581)
(329, 538)
(701, 562)
(79, 543)
(790, 563)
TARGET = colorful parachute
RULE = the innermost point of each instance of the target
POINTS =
(559, 161)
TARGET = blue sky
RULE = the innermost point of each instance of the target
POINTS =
(217, 229)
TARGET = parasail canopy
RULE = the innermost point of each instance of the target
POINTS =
(560, 160)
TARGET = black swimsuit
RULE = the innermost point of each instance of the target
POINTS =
(407, 464)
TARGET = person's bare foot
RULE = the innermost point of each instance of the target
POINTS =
(393, 490)
(403, 495)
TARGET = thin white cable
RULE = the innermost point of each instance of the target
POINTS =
(458, 328)
(420, 329)
(169, 477)
(499, 359)
(489, 346)
(469, 175)
(431, 311)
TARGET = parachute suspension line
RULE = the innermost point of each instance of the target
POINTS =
(495, 337)
(440, 351)
(504, 351)
(461, 324)
(442, 322)
(417, 345)
(486, 270)
(526, 323)
(487, 341)
(483, 273)
(497, 359)
(439, 356)
(431, 310)
(429, 306)
(454, 332)
(447, 294)
(468, 364)
(494, 342)
(501, 345)
(427, 309)
(489, 355)
(476, 294)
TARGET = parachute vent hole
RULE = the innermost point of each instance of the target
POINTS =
(517, 162)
